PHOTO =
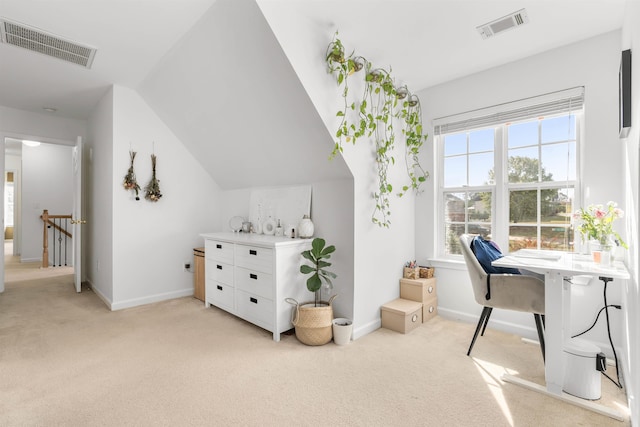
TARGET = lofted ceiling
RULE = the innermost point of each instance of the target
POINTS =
(427, 42)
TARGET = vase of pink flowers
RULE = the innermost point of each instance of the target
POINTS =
(595, 225)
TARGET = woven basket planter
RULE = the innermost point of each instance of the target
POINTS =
(313, 324)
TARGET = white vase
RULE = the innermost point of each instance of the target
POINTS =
(305, 227)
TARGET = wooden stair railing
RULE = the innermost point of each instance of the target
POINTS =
(47, 220)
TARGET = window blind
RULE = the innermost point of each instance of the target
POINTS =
(564, 101)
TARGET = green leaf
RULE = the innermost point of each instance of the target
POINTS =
(422, 178)
(317, 245)
(323, 264)
(306, 269)
(340, 78)
(340, 114)
(314, 283)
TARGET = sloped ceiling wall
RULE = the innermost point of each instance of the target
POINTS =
(229, 93)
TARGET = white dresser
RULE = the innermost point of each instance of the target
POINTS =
(250, 275)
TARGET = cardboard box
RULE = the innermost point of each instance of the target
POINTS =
(401, 315)
(429, 309)
(424, 291)
(419, 290)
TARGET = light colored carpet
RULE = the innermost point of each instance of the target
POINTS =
(66, 360)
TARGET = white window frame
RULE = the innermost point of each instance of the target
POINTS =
(500, 189)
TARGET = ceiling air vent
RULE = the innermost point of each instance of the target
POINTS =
(505, 23)
(39, 41)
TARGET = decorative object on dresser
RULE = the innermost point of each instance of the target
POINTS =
(250, 275)
(305, 227)
(313, 320)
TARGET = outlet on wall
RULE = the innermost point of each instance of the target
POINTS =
(186, 266)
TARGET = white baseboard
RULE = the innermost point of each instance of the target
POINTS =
(134, 302)
(366, 329)
(113, 306)
(100, 295)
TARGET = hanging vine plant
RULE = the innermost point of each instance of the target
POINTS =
(373, 116)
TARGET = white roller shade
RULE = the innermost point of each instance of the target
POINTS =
(564, 101)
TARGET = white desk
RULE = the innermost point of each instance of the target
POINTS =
(556, 266)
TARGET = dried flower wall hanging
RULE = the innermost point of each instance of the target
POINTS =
(130, 182)
(152, 190)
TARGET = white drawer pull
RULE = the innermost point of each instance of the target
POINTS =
(414, 318)
(430, 289)
(431, 309)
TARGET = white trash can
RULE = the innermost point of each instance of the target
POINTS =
(342, 329)
(583, 362)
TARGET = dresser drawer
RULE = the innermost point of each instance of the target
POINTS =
(254, 282)
(219, 294)
(219, 251)
(254, 258)
(220, 272)
(255, 309)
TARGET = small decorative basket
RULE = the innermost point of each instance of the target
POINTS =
(411, 272)
(313, 324)
(426, 272)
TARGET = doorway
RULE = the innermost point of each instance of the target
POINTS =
(37, 177)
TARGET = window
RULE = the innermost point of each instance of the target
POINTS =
(511, 176)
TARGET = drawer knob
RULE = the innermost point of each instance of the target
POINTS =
(253, 276)
(219, 287)
(253, 300)
(218, 246)
(253, 252)
(414, 318)
(219, 267)
(431, 309)
(430, 289)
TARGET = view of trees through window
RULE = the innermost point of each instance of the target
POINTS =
(536, 183)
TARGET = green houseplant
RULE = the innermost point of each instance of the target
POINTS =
(313, 320)
(373, 117)
(318, 254)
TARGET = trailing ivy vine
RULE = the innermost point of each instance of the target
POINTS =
(373, 115)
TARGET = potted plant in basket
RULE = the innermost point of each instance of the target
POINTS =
(313, 320)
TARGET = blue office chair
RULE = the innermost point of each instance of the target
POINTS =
(507, 291)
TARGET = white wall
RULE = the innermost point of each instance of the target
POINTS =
(47, 183)
(631, 294)
(379, 254)
(152, 241)
(99, 186)
(592, 63)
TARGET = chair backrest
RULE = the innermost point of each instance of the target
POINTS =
(476, 273)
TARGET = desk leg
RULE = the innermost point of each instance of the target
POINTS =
(557, 307)
(557, 318)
